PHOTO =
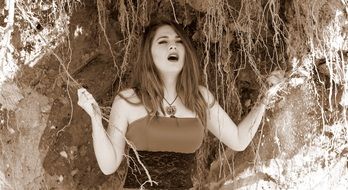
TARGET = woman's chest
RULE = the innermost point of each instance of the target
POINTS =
(184, 135)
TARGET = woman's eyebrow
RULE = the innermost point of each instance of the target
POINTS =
(161, 37)
(166, 37)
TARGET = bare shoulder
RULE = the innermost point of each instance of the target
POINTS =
(207, 95)
(205, 91)
(126, 98)
(124, 103)
(128, 102)
(128, 93)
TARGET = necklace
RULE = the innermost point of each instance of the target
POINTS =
(171, 110)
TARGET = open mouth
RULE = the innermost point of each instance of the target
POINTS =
(173, 57)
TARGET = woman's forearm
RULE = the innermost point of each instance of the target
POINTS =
(249, 125)
(103, 148)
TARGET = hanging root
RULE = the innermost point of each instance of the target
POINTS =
(64, 62)
(102, 24)
(8, 67)
(136, 155)
(326, 60)
(235, 41)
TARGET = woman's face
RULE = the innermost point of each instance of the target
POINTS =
(168, 51)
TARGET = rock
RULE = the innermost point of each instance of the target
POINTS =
(22, 160)
(10, 95)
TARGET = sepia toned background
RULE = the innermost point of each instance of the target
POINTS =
(50, 48)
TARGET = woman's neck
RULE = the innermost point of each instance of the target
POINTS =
(169, 83)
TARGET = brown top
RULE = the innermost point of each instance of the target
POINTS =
(170, 170)
(165, 134)
(166, 146)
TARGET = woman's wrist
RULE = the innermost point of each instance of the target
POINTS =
(264, 101)
(97, 124)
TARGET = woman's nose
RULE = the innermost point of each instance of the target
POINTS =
(172, 46)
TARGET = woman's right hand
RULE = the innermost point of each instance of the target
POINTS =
(88, 103)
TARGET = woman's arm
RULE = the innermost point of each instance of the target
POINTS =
(108, 146)
(221, 125)
(247, 128)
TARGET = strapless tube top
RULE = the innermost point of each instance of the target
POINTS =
(166, 146)
(165, 134)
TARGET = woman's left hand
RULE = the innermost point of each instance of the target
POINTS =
(275, 80)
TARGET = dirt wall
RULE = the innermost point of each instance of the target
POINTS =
(46, 138)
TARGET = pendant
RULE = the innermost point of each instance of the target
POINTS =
(171, 110)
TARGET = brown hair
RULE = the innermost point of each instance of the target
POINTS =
(148, 84)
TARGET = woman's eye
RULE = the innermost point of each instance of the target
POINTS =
(179, 41)
(162, 42)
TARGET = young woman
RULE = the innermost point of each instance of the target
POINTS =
(163, 116)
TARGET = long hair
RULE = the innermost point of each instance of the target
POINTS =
(149, 88)
(148, 84)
